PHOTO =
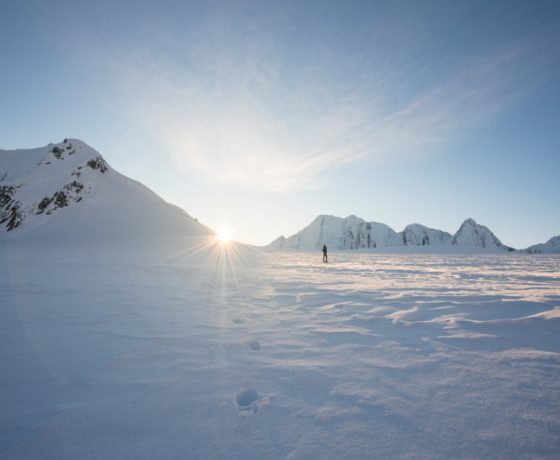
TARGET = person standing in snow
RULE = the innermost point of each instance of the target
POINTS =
(325, 258)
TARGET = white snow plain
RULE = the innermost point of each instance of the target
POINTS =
(134, 354)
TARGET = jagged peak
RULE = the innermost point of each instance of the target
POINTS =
(470, 221)
(78, 146)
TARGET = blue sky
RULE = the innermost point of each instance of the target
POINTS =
(261, 115)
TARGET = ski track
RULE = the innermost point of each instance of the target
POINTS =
(369, 356)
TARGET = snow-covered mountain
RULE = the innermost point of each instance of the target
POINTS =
(474, 235)
(349, 233)
(552, 246)
(419, 235)
(68, 191)
(355, 233)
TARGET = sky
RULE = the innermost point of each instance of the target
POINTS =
(260, 115)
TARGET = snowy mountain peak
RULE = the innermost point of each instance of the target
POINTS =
(69, 190)
(41, 181)
(471, 234)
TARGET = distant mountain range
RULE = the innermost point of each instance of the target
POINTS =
(67, 191)
(355, 233)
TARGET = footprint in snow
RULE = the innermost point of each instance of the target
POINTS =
(248, 400)
(254, 345)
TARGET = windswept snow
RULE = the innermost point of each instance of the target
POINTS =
(121, 354)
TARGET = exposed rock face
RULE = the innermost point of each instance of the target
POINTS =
(10, 209)
(23, 198)
(552, 246)
(355, 233)
(72, 192)
(99, 164)
(6, 195)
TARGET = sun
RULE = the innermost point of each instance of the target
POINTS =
(224, 235)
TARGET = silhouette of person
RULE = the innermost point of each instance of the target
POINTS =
(325, 258)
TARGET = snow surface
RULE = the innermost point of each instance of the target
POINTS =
(177, 352)
(355, 233)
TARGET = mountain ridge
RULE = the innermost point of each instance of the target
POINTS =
(354, 232)
(552, 246)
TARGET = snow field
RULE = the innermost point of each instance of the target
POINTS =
(129, 355)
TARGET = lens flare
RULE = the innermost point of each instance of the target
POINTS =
(224, 235)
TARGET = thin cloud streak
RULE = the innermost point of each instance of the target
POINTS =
(234, 119)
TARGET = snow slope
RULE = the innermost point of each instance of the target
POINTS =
(355, 233)
(552, 246)
(67, 191)
(114, 355)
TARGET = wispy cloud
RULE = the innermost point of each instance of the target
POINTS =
(238, 117)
